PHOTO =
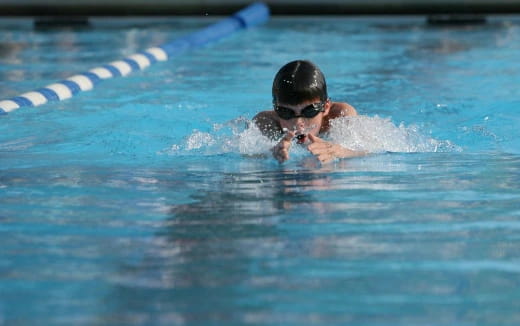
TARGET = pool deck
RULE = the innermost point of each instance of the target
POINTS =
(278, 7)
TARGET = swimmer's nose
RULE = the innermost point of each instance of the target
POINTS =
(300, 123)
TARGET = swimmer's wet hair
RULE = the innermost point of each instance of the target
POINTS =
(299, 81)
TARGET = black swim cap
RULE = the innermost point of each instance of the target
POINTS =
(299, 81)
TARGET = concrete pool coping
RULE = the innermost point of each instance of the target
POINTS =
(278, 7)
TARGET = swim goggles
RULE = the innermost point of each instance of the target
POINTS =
(310, 111)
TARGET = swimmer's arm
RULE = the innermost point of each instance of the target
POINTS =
(326, 151)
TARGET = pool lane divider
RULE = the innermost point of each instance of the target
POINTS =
(253, 15)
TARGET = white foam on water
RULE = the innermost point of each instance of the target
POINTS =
(236, 136)
(252, 142)
(363, 133)
(198, 140)
(377, 135)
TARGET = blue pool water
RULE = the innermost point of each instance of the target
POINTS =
(147, 201)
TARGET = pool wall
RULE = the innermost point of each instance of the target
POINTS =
(287, 7)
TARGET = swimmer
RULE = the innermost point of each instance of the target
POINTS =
(302, 112)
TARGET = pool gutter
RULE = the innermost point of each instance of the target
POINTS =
(278, 7)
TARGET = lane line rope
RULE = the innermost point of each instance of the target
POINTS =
(253, 15)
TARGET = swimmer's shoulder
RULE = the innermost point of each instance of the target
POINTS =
(268, 123)
(342, 109)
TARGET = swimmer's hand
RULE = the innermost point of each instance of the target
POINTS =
(281, 150)
(326, 151)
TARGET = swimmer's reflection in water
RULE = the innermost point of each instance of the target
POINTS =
(211, 247)
(302, 111)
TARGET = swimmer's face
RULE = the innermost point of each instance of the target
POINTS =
(300, 120)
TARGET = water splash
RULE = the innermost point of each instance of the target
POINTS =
(377, 135)
(252, 142)
(364, 133)
(236, 136)
(198, 140)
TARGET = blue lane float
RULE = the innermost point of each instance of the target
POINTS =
(253, 15)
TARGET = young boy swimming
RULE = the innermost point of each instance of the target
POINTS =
(302, 111)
